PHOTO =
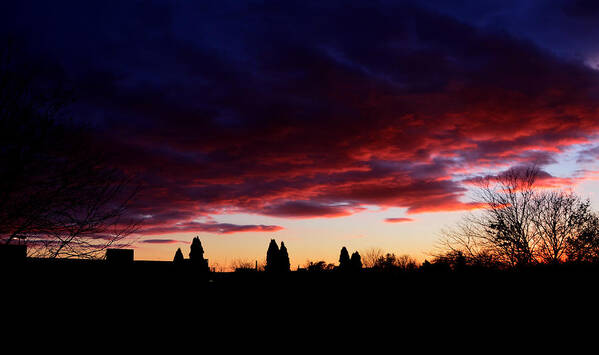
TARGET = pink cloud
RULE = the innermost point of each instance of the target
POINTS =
(398, 220)
(216, 228)
(162, 241)
(341, 138)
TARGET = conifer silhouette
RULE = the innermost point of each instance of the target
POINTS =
(284, 264)
(356, 261)
(178, 257)
(272, 257)
(196, 256)
(344, 259)
(196, 252)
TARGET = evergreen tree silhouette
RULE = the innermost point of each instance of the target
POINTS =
(356, 261)
(196, 252)
(344, 259)
(284, 264)
(178, 257)
(196, 255)
(272, 257)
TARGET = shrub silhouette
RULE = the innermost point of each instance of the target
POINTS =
(319, 266)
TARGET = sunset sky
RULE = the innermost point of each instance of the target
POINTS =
(322, 124)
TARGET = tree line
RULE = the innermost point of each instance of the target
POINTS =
(520, 224)
(277, 260)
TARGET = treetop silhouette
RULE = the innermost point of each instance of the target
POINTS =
(349, 264)
(355, 261)
(272, 257)
(344, 259)
(284, 258)
(178, 259)
(277, 260)
(196, 257)
(196, 252)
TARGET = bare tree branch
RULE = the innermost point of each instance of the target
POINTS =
(58, 192)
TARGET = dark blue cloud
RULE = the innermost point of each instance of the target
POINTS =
(564, 27)
(305, 109)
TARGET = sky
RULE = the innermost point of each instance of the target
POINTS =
(322, 124)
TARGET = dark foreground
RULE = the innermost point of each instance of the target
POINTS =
(150, 280)
(162, 297)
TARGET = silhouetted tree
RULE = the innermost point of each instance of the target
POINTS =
(344, 260)
(196, 252)
(585, 247)
(355, 261)
(371, 256)
(406, 263)
(319, 266)
(284, 264)
(521, 224)
(458, 261)
(244, 265)
(565, 225)
(57, 191)
(272, 257)
(440, 265)
(387, 263)
(196, 256)
(508, 219)
(504, 227)
(178, 259)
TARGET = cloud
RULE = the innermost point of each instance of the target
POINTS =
(398, 220)
(393, 106)
(588, 155)
(388, 118)
(216, 228)
(306, 209)
(543, 179)
(162, 241)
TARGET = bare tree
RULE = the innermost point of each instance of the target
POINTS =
(468, 239)
(504, 227)
(508, 220)
(561, 218)
(240, 264)
(521, 224)
(407, 263)
(58, 192)
(371, 256)
(584, 246)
